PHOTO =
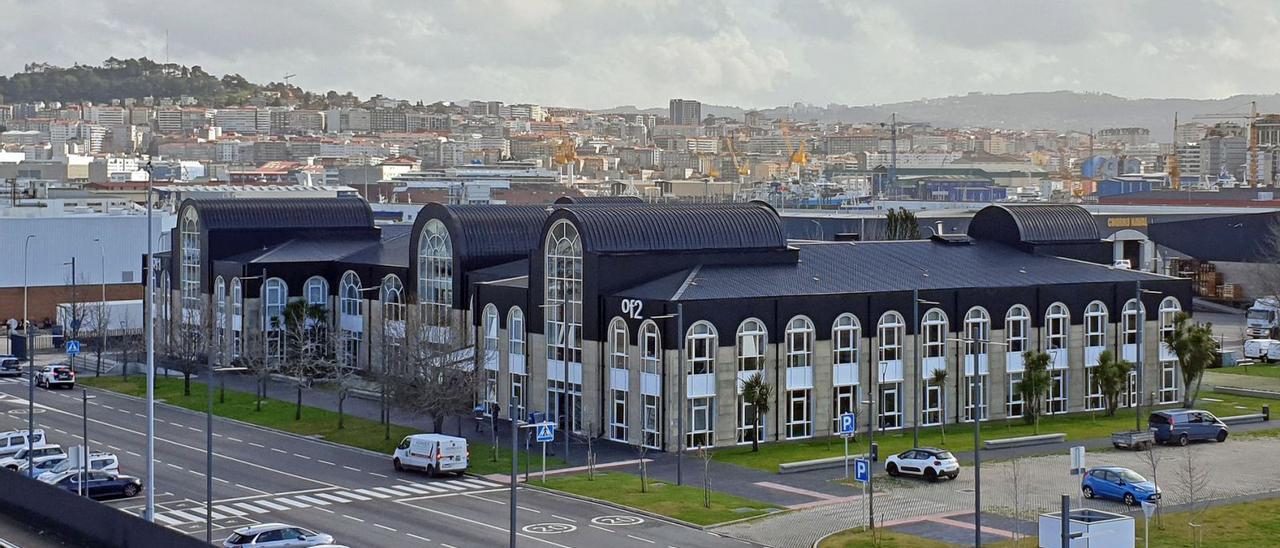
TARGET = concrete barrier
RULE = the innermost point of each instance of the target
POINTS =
(1252, 392)
(1243, 419)
(1024, 441)
(815, 464)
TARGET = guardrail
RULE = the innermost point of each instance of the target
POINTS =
(815, 464)
(1024, 441)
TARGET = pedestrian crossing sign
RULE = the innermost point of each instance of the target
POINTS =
(73, 348)
(546, 432)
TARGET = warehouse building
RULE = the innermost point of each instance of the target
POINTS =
(639, 323)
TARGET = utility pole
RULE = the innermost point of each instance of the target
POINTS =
(149, 485)
(893, 151)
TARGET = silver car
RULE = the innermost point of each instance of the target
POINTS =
(276, 535)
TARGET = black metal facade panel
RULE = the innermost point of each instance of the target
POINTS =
(1234, 238)
(657, 228)
(276, 213)
(1036, 223)
(598, 200)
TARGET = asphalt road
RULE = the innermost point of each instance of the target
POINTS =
(265, 476)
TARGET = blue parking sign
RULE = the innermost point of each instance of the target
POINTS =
(848, 423)
(862, 470)
(546, 432)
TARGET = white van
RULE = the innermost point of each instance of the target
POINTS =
(16, 440)
(1257, 348)
(433, 453)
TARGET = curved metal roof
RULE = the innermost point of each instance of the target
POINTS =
(277, 213)
(486, 233)
(598, 200)
(702, 227)
(1035, 223)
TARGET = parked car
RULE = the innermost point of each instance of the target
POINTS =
(1117, 483)
(38, 455)
(1181, 426)
(16, 440)
(100, 485)
(10, 366)
(1257, 349)
(56, 376)
(930, 463)
(433, 453)
(98, 461)
(42, 466)
(276, 535)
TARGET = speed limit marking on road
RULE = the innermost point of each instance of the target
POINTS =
(617, 520)
(549, 528)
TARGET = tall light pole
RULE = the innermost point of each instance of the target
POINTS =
(916, 349)
(31, 357)
(980, 395)
(149, 486)
(871, 467)
(208, 451)
(564, 359)
(102, 309)
(679, 316)
(84, 425)
(1140, 318)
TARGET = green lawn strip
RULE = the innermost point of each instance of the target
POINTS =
(959, 437)
(890, 539)
(278, 414)
(1255, 523)
(682, 502)
(1270, 371)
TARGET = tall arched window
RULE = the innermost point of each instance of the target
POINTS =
(275, 295)
(435, 274)
(700, 358)
(1057, 322)
(1017, 326)
(189, 284)
(619, 384)
(1169, 310)
(934, 328)
(562, 295)
(889, 332)
(1095, 325)
(350, 319)
(846, 334)
(220, 321)
(515, 359)
(490, 360)
(237, 317)
(391, 295)
(751, 348)
(1129, 326)
(650, 373)
(317, 292)
(977, 331)
(1095, 339)
(800, 336)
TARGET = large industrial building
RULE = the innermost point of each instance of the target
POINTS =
(641, 322)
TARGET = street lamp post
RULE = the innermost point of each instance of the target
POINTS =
(871, 467)
(1140, 318)
(208, 440)
(31, 358)
(102, 310)
(979, 395)
(84, 450)
(149, 486)
(917, 349)
(568, 387)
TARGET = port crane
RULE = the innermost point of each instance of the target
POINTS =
(1251, 175)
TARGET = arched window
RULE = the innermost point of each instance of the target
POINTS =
(1169, 310)
(219, 320)
(845, 336)
(317, 292)
(889, 331)
(1129, 324)
(1095, 325)
(700, 346)
(237, 317)
(490, 355)
(1056, 322)
(799, 337)
(515, 359)
(977, 331)
(1017, 325)
(751, 345)
(351, 319)
(618, 380)
(563, 292)
(799, 342)
(391, 295)
(650, 348)
(189, 284)
(435, 274)
(275, 295)
(934, 328)
(650, 365)
(618, 344)
(515, 332)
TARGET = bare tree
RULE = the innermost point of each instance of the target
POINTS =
(131, 346)
(252, 356)
(705, 454)
(434, 376)
(1193, 485)
(344, 378)
(98, 316)
(641, 452)
(310, 354)
(187, 350)
(1014, 484)
(1153, 463)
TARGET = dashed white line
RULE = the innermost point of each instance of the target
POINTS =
(193, 429)
(375, 474)
(529, 509)
(301, 456)
(141, 415)
(220, 479)
(281, 451)
(353, 469)
(322, 461)
(217, 435)
(325, 510)
(237, 440)
(172, 465)
(423, 539)
(447, 545)
(642, 539)
(353, 518)
(132, 453)
(602, 528)
(108, 407)
(384, 527)
(257, 445)
(564, 518)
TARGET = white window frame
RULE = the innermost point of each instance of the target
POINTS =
(800, 335)
(1014, 404)
(846, 336)
(1095, 325)
(618, 416)
(934, 328)
(1057, 327)
(1017, 328)
(650, 348)
(889, 333)
(700, 349)
(890, 420)
(701, 423)
(799, 414)
(435, 273)
(1059, 397)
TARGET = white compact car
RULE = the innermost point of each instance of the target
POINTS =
(929, 463)
(56, 376)
(17, 440)
(99, 461)
(38, 455)
(276, 535)
(433, 453)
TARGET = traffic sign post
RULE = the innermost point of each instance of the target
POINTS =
(862, 470)
(848, 421)
(546, 431)
(1148, 508)
(73, 348)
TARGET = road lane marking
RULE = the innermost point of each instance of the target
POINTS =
(350, 468)
(498, 502)
(251, 507)
(384, 527)
(479, 523)
(641, 539)
(478, 484)
(351, 495)
(166, 520)
(271, 505)
(185, 516)
(484, 483)
(312, 500)
(564, 518)
(254, 489)
(332, 497)
(447, 545)
(529, 509)
(322, 461)
(291, 502)
(373, 493)
(281, 451)
(423, 539)
(301, 456)
(395, 491)
(375, 474)
(237, 440)
(229, 510)
(602, 528)
(421, 488)
(449, 485)
(215, 478)
(353, 518)
(172, 465)
(132, 453)
(259, 445)
(325, 510)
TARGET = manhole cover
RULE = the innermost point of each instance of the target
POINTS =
(548, 528)
(964, 490)
(617, 520)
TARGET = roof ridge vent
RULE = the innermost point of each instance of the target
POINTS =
(952, 239)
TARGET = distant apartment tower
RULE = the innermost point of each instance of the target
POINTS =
(685, 112)
(1128, 136)
(486, 108)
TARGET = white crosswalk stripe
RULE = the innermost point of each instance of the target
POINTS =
(229, 510)
(293, 503)
(251, 508)
(312, 500)
(270, 505)
(332, 497)
(167, 520)
(373, 493)
(351, 495)
(474, 483)
(399, 491)
(485, 483)
(449, 485)
(185, 517)
(420, 488)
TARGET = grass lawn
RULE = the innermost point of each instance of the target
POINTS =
(1259, 370)
(682, 502)
(959, 437)
(278, 414)
(890, 539)
(1245, 524)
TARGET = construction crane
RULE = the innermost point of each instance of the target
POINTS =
(795, 156)
(1252, 116)
(1175, 171)
(287, 77)
(566, 153)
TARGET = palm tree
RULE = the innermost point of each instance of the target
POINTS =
(1111, 374)
(940, 379)
(756, 393)
(1035, 384)
(1194, 346)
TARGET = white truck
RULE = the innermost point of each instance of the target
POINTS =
(432, 453)
(1262, 321)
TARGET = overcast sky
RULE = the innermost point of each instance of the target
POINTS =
(599, 54)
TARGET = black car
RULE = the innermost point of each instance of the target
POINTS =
(102, 485)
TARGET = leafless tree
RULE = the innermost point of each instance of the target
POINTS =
(187, 350)
(1193, 485)
(434, 376)
(98, 316)
(343, 378)
(131, 347)
(641, 452)
(1153, 463)
(1014, 484)
(309, 353)
(253, 356)
(705, 454)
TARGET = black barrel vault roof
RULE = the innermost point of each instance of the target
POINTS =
(597, 200)
(646, 228)
(277, 213)
(1035, 224)
(485, 234)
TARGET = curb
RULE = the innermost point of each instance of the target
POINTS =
(653, 515)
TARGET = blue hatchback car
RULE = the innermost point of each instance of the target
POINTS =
(1120, 484)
